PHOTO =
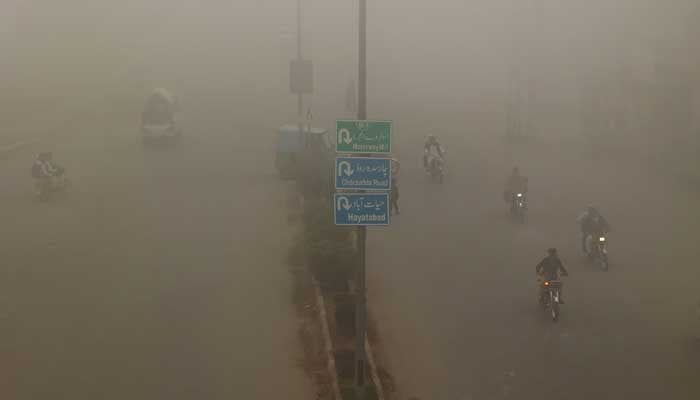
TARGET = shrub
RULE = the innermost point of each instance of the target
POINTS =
(329, 249)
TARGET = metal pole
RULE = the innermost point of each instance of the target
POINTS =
(300, 101)
(361, 311)
(362, 73)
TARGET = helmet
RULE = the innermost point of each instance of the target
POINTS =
(552, 251)
(45, 156)
(431, 138)
(516, 170)
(591, 210)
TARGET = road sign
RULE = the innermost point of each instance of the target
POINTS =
(363, 173)
(361, 209)
(363, 136)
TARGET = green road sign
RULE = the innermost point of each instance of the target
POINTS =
(363, 136)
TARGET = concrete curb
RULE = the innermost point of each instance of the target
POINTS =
(374, 372)
(327, 342)
(328, 346)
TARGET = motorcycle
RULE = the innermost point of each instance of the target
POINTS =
(435, 165)
(45, 187)
(549, 297)
(597, 250)
(518, 207)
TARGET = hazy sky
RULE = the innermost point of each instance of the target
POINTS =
(446, 51)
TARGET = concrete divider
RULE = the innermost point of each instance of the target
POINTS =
(328, 350)
(373, 370)
(327, 341)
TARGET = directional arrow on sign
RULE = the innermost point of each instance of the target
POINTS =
(366, 137)
(344, 136)
(344, 167)
(362, 173)
(362, 209)
(343, 202)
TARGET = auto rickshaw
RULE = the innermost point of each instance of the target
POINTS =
(293, 143)
(159, 121)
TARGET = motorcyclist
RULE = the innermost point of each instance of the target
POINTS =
(432, 147)
(395, 169)
(394, 204)
(549, 269)
(515, 184)
(44, 169)
(591, 223)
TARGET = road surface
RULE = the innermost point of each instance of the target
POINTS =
(161, 274)
(452, 281)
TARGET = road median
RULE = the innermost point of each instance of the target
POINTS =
(328, 258)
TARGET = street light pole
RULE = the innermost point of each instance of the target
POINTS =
(361, 292)
(362, 73)
(300, 104)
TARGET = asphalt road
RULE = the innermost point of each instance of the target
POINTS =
(161, 274)
(452, 281)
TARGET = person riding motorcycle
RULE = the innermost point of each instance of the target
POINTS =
(432, 149)
(45, 171)
(549, 268)
(515, 184)
(591, 223)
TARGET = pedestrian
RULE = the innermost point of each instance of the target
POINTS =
(394, 198)
(394, 195)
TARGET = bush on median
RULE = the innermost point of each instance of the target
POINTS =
(328, 248)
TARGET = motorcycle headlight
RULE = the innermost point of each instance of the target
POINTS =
(602, 239)
(519, 195)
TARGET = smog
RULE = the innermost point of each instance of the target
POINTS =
(174, 224)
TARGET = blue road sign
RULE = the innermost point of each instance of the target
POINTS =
(363, 173)
(361, 208)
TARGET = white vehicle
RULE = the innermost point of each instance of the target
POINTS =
(159, 121)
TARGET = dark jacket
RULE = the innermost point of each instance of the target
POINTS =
(516, 184)
(550, 267)
(597, 224)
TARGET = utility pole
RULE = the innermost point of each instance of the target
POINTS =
(300, 100)
(361, 303)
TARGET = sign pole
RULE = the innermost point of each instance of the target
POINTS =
(300, 99)
(362, 73)
(361, 293)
